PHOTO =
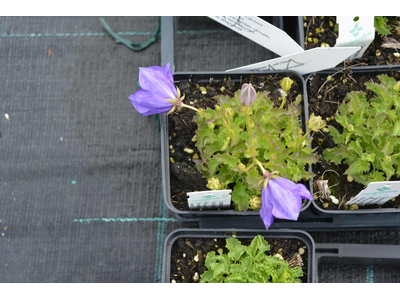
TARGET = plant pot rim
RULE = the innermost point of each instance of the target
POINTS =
(165, 146)
(301, 235)
(367, 69)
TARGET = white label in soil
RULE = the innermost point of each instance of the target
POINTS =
(305, 62)
(209, 199)
(377, 193)
(261, 32)
(355, 31)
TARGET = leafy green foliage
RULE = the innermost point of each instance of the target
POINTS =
(248, 264)
(234, 132)
(381, 25)
(370, 143)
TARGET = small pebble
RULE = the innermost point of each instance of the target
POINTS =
(188, 150)
(301, 251)
(184, 254)
(7, 117)
(173, 281)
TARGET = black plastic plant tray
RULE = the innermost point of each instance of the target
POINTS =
(356, 254)
(374, 70)
(239, 233)
(193, 215)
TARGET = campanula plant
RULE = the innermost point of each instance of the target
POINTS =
(370, 141)
(250, 264)
(241, 144)
(245, 143)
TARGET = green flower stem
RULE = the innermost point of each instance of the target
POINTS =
(301, 140)
(196, 110)
(283, 99)
(246, 113)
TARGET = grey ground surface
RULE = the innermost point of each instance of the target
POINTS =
(80, 179)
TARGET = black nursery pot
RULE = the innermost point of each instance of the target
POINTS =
(370, 71)
(297, 236)
(193, 215)
(300, 39)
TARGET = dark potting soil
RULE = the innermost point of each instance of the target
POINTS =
(184, 175)
(184, 267)
(324, 98)
(370, 57)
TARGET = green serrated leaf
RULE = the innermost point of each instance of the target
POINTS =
(241, 196)
(236, 252)
(358, 167)
(231, 243)
(381, 25)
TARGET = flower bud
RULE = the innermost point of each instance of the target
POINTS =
(228, 112)
(286, 84)
(396, 87)
(255, 203)
(214, 184)
(248, 94)
(350, 128)
(316, 123)
(217, 108)
(211, 125)
(388, 159)
(241, 167)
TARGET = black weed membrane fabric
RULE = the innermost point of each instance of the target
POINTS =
(80, 179)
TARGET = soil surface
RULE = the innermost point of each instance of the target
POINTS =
(374, 55)
(201, 93)
(324, 98)
(184, 267)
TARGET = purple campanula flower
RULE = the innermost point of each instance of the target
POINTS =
(281, 198)
(248, 94)
(157, 86)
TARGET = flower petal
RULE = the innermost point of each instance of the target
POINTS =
(153, 79)
(168, 72)
(303, 192)
(266, 210)
(146, 105)
(286, 203)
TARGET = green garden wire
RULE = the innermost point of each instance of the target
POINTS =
(132, 45)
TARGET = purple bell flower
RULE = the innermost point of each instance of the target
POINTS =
(157, 86)
(281, 198)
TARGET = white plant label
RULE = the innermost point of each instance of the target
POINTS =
(261, 32)
(355, 31)
(209, 199)
(305, 62)
(377, 193)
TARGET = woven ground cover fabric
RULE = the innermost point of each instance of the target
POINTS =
(80, 180)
